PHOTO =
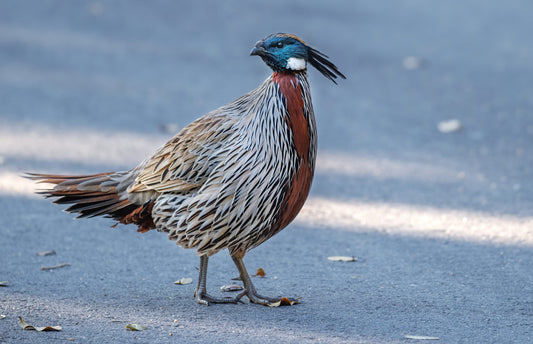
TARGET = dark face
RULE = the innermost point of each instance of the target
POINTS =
(282, 52)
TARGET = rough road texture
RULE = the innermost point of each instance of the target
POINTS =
(441, 224)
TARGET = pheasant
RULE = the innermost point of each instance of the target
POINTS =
(231, 179)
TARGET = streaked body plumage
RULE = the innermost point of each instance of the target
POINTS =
(236, 175)
(231, 179)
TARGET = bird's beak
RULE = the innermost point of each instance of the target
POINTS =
(259, 49)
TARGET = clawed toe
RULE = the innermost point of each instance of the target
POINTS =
(206, 299)
(268, 301)
(251, 293)
(256, 298)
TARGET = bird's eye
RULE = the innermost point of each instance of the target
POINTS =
(280, 45)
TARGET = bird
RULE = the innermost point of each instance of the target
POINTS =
(231, 179)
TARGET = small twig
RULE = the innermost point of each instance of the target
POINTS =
(55, 267)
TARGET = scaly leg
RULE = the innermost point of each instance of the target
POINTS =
(201, 294)
(249, 289)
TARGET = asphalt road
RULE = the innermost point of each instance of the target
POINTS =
(441, 223)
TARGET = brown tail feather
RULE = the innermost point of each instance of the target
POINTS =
(95, 195)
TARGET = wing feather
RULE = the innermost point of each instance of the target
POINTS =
(184, 163)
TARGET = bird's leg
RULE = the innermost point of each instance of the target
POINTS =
(201, 288)
(201, 294)
(249, 289)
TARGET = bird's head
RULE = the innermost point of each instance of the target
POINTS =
(286, 52)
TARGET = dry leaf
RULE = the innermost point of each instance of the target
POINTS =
(135, 327)
(450, 126)
(260, 273)
(285, 301)
(185, 280)
(26, 326)
(342, 259)
(3, 284)
(408, 336)
(231, 287)
(46, 253)
(55, 267)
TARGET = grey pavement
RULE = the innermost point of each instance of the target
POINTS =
(441, 224)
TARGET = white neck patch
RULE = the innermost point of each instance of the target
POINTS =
(294, 63)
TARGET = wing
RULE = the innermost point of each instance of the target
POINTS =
(184, 163)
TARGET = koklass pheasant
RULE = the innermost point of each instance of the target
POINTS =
(231, 179)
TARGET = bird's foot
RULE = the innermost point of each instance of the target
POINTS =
(204, 298)
(254, 297)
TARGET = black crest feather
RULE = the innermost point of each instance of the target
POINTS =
(323, 65)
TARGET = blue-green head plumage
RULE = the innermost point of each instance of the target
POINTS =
(287, 52)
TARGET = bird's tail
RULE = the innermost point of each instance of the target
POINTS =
(103, 194)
